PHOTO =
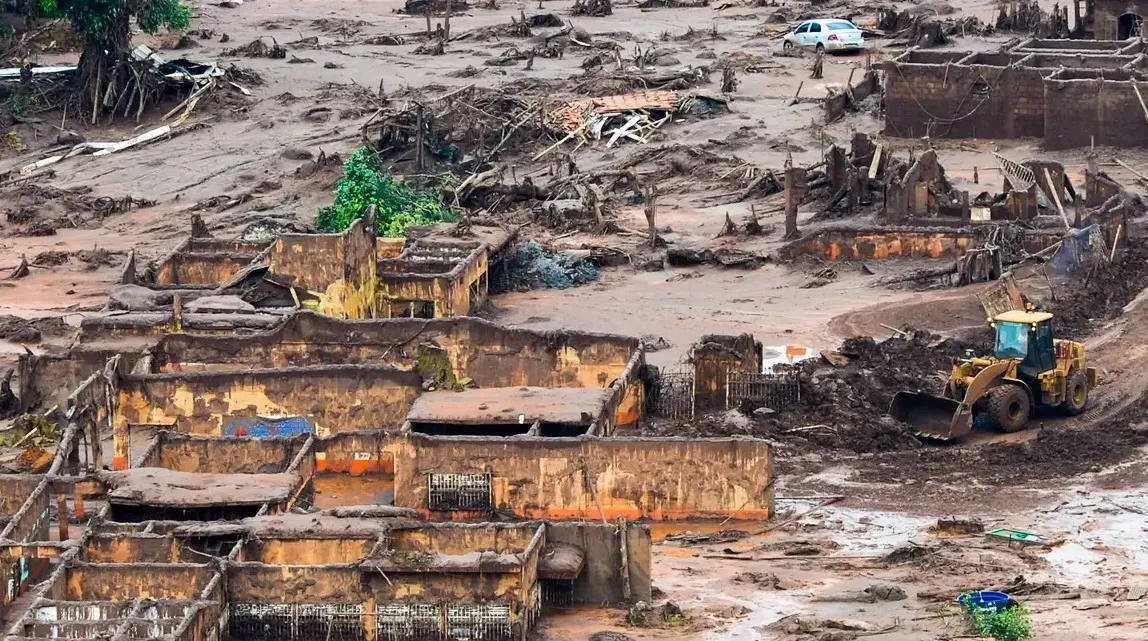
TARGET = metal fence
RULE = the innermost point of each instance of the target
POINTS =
(761, 390)
(673, 397)
(458, 491)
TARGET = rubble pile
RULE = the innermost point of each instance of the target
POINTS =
(1028, 17)
(534, 267)
(460, 129)
(32, 209)
(1103, 291)
(922, 26)
(846, 407)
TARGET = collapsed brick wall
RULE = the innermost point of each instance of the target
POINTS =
(963, 101)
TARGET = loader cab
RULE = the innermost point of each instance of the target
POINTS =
(1026, 336)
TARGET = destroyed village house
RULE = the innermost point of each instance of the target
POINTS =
(461, 415)
(207, 285)
(1072, 93)
(146, 566)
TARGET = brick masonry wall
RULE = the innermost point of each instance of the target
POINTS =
(917, 95)
(1080, 110)
(1106, 24)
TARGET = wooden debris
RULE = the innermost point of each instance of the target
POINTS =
(21, 269)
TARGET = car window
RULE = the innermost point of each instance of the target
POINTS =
(803, 28)
(839, 26)
(814, 28)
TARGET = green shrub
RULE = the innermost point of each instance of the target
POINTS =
(1010, 624)
(363, 184)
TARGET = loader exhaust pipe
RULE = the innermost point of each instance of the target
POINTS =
(932, 416)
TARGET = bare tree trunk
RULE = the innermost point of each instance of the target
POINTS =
(101, 76)
(651, 212)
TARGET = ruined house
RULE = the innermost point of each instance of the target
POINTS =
(1071, 93)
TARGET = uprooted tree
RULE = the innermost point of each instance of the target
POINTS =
(106, 79)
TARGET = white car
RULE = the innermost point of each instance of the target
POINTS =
(825, 35)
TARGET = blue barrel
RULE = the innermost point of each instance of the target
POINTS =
(986, 600)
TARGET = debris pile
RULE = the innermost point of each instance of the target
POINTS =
(1028, 17)
(1103, 292)
(533, 266)
(465, 128)
(39, 210)
(921, 26)
(632, 117)
(258, 48)
(846, 407)
(597, 8)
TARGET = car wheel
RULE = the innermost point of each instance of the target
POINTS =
(787, 46)
(820, 48)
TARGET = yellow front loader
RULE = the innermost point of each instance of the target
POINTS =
(1029, 368)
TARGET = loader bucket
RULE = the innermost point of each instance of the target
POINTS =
(932, 416)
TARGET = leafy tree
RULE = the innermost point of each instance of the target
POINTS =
(105, 79)
(364, 184)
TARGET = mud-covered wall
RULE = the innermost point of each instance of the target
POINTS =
(124, 582)
(14, 491)
(307, 551)
(354, 454)
(47, 380)
(402, 294)
(200, 268)
(24, 502)
(226, 455)
(259, 583)
(142, 548)
(464, 538)
(323, 400)
(338, 269)
(490, 355)
(838, 102)
(601, 581)
(568, 478)
(838, 244)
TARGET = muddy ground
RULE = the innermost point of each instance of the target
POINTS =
(1076, 481)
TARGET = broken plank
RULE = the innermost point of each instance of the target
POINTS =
(876, 162)
(1137, 592)
(138, 140)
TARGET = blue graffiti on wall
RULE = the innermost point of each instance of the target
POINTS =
(264, 426)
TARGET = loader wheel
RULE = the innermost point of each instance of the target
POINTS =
(1008, 408)
(1075, 393)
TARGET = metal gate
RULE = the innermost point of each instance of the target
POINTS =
(673, 397)
(761, 390)
(458, 491)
